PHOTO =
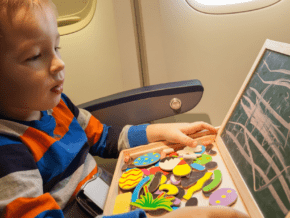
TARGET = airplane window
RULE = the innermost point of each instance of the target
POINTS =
(229, 6)
(74, 15)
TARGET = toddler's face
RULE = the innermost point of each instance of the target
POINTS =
(31, 69)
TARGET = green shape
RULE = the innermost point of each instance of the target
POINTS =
(205, 158)
(217, 179)
(151, 177)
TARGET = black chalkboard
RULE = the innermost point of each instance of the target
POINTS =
(257, 134)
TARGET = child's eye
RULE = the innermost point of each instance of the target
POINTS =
(57, 48)
(34, 58)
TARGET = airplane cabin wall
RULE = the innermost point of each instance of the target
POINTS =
(219, 50)
(99, 61)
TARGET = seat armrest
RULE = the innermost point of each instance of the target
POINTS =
(145, 104)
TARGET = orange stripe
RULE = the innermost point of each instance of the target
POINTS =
(63, 118)
(94, 131)
(88, 177)
(38, 145)
(31, 207)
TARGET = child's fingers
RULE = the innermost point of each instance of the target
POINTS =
(198, 126)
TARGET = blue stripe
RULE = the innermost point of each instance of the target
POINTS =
(138, 213)
(14, 158)
(61, 153)
(70, 105)
(51, 214)
(137, 135)
(99, 147)
(6, 140)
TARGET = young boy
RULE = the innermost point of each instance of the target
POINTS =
(46, 142)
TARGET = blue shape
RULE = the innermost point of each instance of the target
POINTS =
(157, 164)
(202, 151)
(174, 208)
(138, 188)
(197, 167)
(146, 159)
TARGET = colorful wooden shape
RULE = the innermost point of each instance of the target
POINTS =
(197, 186)
(155, 182)
(194, 177)
(173, 154)
(181, 192)
(202, 150)
(223, 197)
(154, 170)
(189, 156)
(191, 202)
(146, 172)
(215, 183)
(211, 165)
(148, 203)
(124, 167)
(174, 181)
(208, 147)
(175, 208)
(168, 163)
(172, 189)
(182, 169)
(176, 202)
(212, 152)
(163, 179)
(207, 194)
(197, 167)
(203, 159)
(130, 179)
(136, 191)
(157, 164)
(146, 159)
(122, 203)
(198, 149)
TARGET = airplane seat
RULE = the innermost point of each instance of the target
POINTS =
(143, 105)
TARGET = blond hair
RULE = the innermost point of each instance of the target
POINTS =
(9, 8)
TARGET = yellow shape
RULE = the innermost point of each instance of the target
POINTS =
(217, 202)
(144, 163)
(172, 189)
(139, 158)
(152, 160)
(223, 196)
(181, 170)
(146, 158)
(197, 186)
(229, 191)
(156, 156)
(122, 203)
(181, 158)
(145, 154)
(154, 153)
(163, 179)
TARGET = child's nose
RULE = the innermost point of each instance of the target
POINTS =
(57, 65)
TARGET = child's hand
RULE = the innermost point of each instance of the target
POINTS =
(177, 132)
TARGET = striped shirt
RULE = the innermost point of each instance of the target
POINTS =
(44, 163)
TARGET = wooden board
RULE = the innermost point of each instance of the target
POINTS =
(227, 182)
(254, 138)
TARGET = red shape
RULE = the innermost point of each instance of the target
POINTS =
(173, 154)
(154, 170)
(182, 162)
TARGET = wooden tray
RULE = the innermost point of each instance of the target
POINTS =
(253, 142)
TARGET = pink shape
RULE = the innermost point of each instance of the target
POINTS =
(176, 202)
(146, 172)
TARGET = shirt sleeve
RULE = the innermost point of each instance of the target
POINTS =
(107, 141)
(139, 213)
(21, 184)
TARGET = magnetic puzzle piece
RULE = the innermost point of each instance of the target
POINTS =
(154, 170)
(130, 179)
(193, 178)
(168, 163)
(207, 194)
(224, 197)
(197, 167)
(148, 203)
(191, 202)
(122, 203)
(146, 159)
(181, 192)
(215, 183)
(174, 181)
(203, 159)
(172, 189)
(155, 182)
(211, 165)
(212, 152)
(182, 169)
(197, 186)
(202, 150)
(136, 191)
